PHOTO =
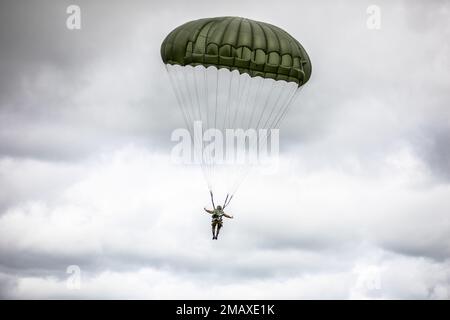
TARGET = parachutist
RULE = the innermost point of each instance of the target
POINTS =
(217, 222)
(242, 73)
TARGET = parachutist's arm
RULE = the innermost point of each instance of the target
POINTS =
(228, 216)
(209, 211)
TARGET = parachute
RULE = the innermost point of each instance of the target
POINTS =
(232, 73)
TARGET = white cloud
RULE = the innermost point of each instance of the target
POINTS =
(359, 208)
(128, 215)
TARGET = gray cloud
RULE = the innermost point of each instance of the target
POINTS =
(361, 195)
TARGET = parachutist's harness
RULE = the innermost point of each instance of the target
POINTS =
(217, 215)
(225, 203)
(217, 218)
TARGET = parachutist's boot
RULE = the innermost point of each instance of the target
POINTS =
(217, 233)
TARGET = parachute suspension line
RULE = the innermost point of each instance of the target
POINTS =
(242, 102)
(286, 106)
(236, 99)
(186, 82)
(253, 92)
(183, 95)
(205, 166)
(246, 104)
(261, 100)
(177, 95)
(223, 77)
(255, 101)
(230, 76)
(243, 170)
(239, 123)
(174, 72)
(274, 107)
(232, 106)
(212, 198)
(227, 201)
(239, 100)
(250, 102)
(292, 100)
(196, 93)
(204, 162)
(272, 88)
(282, 116)
(206, 156)
(214, 159)
(282, 112)
(187, 97)
(232, 102)
(286, 101)
(200, 141)
(217, 94)
(206, 93)
(241, 177)
(179, 76)
(198, 136)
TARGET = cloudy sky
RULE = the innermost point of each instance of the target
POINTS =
(360, 205)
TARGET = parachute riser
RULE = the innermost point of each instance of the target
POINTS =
(212, 199)
(225, 203)
(227, 200)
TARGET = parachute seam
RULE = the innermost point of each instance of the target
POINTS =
(267, 44)
(223, 35)
(239, 35)
(196, 39)
(265, 38)
(252, 31)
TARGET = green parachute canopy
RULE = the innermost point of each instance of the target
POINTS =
(252, 47)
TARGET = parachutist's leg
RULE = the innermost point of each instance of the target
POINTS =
(218, 229)
(213, 233)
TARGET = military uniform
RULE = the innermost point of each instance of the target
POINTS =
(217, 218)
(217, 214)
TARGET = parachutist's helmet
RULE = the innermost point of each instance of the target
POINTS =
(219, 207)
